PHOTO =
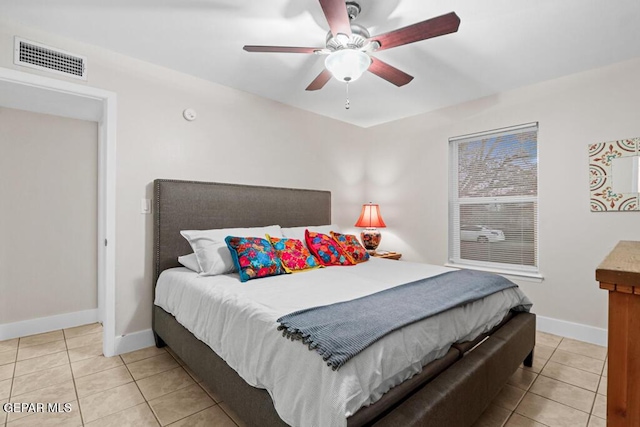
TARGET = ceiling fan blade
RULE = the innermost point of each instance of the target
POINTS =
(320, 81)
(282, 49)
(430, 28)
(336, 13)
(389, 73)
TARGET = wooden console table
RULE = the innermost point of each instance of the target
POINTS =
(619, 273)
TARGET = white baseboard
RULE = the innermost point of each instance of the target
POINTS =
(134, 341)
(577, 331)
(48, 324)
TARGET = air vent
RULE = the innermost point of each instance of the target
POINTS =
(46, 58)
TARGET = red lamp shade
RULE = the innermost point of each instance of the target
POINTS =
(370, 217)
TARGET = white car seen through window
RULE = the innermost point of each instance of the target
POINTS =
(480, 233)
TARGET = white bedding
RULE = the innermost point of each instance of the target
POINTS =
(238, 321)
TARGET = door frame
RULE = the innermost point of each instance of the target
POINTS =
(105, 115)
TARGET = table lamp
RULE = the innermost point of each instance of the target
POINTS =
(370, 219)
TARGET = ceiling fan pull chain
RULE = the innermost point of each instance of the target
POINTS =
(346, 105)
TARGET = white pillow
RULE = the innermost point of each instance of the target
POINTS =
(298, 232)
(211, 250)
(190, 261)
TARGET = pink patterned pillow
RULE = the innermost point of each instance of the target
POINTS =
(326, 249)
(351, 247)
(293, 255)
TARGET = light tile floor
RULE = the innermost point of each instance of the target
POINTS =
(565, 387)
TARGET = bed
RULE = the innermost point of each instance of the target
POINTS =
(450, 391)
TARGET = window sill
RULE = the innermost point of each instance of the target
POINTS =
(509, 274)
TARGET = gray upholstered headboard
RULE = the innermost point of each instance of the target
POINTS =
(192, 205)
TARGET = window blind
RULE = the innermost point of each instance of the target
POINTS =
(493, 200)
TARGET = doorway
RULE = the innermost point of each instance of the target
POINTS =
(30, 92)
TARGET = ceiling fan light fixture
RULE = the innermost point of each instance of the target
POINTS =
(347, 65)
(343, 39)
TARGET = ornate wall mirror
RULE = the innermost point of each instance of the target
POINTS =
(614, 175)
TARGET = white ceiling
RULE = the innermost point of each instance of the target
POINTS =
(501, 45)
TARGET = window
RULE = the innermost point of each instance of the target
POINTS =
(493, 200)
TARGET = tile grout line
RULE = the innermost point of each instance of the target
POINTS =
(111, 388)
(75, 387)
(187, 416)
(534, 381)
(13, 375)
(42, 355)
(545, 397)
(593, 405)
(519, 401)
(535, 421)
(42, 369)
(229, 416)
(13, 378)
(15, 365)
(144, 358)
(32, 391)
(564, 404)
(580, 369)
(196, 383)
(589, 414)
(141, 393)
(174, 357)
(106, 389)
(549, 360)
(147, 402)
(215, 403)
(582, 355)
(564, 382)
(73, 377)
(202, 410)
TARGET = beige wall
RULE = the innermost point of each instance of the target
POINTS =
(48, 226)
(408, 176)
(238, 137)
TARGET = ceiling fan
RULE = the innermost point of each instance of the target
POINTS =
(349, 46)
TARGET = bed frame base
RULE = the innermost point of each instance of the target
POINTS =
(459, 395)
(462, 389)
(528, 361)
(159, 342)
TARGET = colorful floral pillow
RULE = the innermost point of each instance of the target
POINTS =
(293, 255)
(351, 247)
(326, 249)
(254, 257)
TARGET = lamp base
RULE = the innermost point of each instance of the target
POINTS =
(370, 239)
